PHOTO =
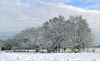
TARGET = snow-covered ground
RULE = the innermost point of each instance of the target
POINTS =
(4, 56)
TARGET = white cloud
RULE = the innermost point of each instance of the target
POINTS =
(16, 16)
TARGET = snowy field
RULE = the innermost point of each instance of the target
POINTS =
(4, 56)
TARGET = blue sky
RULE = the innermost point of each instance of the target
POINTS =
(85, 5)
(17, 15)
(89, 5)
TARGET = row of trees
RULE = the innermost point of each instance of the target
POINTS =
(6, 44)
(55, 34)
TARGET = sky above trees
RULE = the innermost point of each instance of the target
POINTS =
(17, 15)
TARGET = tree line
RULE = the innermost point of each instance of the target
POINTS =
(55, 34)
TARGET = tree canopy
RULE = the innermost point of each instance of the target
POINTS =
(55, 34)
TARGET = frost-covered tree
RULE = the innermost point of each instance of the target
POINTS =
(30, 38)
(73, 33)
(81, 33)
(37, 39)
(55, 31)
(6, 44)
(56, 34)
(1, 44)
(22, 40)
